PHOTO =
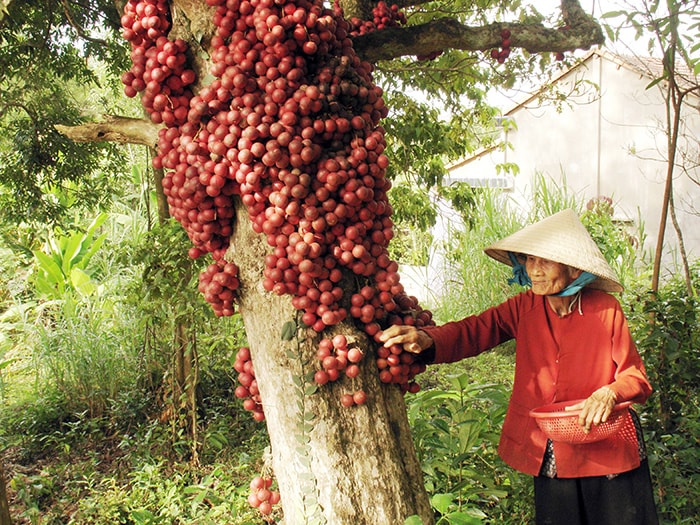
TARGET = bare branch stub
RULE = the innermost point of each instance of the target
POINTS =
(114, 129)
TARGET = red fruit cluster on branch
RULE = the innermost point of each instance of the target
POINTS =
(248, 388)
(383, 16)
(159, 66)
(218, 283)
(261, 495)
(333, 355)
(503, 52)
(290, 125)
(336, 357)
(397, 366)
(202, 205)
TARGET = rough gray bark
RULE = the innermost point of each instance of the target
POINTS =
(333, 464)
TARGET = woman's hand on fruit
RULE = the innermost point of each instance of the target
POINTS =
(409, 337)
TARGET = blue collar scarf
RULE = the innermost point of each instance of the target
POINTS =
(521, 277)
(578, 283)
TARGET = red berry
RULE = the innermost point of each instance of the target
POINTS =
(347, 400)
(359, 397)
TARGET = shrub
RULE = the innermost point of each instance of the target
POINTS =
(666, 328)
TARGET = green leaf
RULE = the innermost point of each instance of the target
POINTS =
(82, 282)
(653, 82)
(71, 252)
(413, 520)
(93, 247)
(7, 362)
(48, 265)
(462, 518)
(442, 502)
(459, 381)
(289, 330)
(50, 280)
(613, 14)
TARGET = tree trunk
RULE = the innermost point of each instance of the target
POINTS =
(5, 518)
(333, 464)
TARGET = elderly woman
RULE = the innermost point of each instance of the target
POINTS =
(572, 343)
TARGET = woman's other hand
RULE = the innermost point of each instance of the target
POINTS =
(596, 409)
(412, 339)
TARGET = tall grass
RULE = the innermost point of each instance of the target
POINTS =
(89, 353)
(468, 268)
(476, 282)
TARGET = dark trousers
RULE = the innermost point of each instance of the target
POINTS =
(626, 499)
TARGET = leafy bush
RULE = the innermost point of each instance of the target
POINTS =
(456, 431)
(666, 328)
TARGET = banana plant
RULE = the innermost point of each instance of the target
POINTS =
(64, 264)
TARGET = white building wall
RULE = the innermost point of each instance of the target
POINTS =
(601, 142)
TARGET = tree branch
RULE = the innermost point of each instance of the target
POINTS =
(581, 32)
(114, 129)
(81, 32)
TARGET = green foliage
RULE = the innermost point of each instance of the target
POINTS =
(48, 63)
(620, 246)
(456, 79)
(168, 273)
(456, 430)
(666, 328)
(85, 383)
(463, 198)
(667, 25)
(420, 140)
(157, 493)
(414, 216)
(148, 491)
(466, 264)
(66, 265)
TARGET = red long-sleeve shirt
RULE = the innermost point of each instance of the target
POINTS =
(557, 359)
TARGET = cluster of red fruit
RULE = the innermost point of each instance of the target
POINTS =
(335, 357)
(218, 283)
(197, 192)
(383, 16)
(500, 54)
(248, 388)
(397, 366)
(261, 496)
(430, 56)
(158, 65)
(291, 125)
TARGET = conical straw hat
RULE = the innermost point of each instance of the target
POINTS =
(561, 238)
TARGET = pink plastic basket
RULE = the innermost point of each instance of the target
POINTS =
(562, 425)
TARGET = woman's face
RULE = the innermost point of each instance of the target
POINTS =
(548, 277)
